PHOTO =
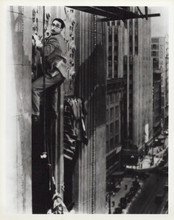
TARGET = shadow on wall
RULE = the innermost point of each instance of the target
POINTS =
(90, 84)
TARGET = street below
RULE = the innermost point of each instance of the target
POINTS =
(147, 202)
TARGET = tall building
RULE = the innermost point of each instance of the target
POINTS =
(116, 94)
(129, 111)
(140, 84)
(160, 67)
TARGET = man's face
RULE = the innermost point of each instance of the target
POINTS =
(56, 27)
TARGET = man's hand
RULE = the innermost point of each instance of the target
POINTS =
(38, 42)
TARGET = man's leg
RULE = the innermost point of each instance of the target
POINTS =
(37, 89)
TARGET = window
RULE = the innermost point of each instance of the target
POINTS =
(155, 63)
(130, 104)
(155, 46)
(130, 39)
(155, 40)
(131, 65)
(110, 72)
(109, 63)
(130, 131)
(116, 127)
(117, 111)
(125, 69)
(131, 86)
(115, 58)
(112, 113)
(110, 49)
(112, 98)
(116, 98)
(115, 49)
(115, 69)
(111, 143)
(116, 37)
(111, 129)
(107, 146)
(107, 132)
(125, 59)
(107, 100)
(110, 37)
(136, 44)
(110, 58)
(130, 26)
(116, 139)
(107, 115)
(155, 53)
(130, 49)
(136, 49)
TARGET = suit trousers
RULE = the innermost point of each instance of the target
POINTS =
(38, 88)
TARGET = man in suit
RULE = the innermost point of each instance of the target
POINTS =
(54, 50)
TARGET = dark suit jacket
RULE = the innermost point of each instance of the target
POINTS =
(55, 48)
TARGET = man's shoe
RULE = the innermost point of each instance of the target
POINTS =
(35, 118)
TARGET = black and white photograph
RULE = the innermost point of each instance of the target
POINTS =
(86, 102)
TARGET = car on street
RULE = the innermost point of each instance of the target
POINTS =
(117, 210)
(159, 198)
(129, 196)
(136, 184)
(133, 190)
(123, 203)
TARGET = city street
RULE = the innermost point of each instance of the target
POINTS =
(145, 202)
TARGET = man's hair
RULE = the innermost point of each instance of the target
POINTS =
(61, 21)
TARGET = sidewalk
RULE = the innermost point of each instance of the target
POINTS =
(146, 162)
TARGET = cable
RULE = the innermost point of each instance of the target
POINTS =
(44, 153)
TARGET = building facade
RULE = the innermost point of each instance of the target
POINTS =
(129, 89)
(116, 95)
(140, 75)
(27, 176)
(157, 102)
(160, 66)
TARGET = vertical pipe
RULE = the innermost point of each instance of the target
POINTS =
(44, 95)
(57, 152)
(61, 127)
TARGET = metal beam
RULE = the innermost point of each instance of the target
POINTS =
(119, 18)
(113, 13)
(139, 11)
(146, 12)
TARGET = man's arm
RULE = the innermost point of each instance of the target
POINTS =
(49, 46)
